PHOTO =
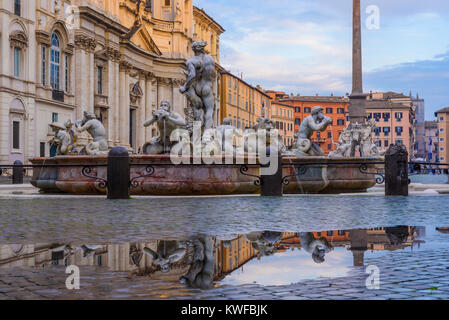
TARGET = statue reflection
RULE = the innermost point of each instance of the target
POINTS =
(317, 247)
(199, 262)
(265, 242)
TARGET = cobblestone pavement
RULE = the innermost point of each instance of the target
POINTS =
(403, 275)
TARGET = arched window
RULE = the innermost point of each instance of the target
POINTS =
(55, 61)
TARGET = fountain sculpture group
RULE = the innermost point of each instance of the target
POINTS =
(229, 179)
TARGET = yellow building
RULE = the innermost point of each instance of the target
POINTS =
(443, 134)
(241, 102)
(284, 117)
(207, 29)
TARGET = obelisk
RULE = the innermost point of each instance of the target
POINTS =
(357, 98)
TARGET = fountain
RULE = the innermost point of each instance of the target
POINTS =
(192, 158)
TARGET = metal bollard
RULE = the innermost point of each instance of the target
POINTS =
(17, 172)
(396, 171)
(272, 184)
(118, 173)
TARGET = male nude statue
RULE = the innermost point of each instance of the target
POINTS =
(317, 121)
(167, 121)
(199, 85)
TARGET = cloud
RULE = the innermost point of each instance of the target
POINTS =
(303, 46)
(429, 78)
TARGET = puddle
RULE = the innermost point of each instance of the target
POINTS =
(264, 258)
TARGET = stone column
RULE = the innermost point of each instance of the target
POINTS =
(123, 120)
(113, 104)
(359, 244)
(140, 130)
(357, 87)
(84, 88)
(148, 105)
(117, 105)
(357, 99)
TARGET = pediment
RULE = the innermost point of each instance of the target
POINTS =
(140, 37)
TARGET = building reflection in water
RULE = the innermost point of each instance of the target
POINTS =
(198, 262)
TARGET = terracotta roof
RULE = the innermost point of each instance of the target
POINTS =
(224, 71)
(317, 99)
(444, 110)
(281, 104)
(384, 104)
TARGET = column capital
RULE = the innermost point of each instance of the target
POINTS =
(85, 43)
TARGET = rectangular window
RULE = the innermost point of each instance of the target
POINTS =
(329, 134)
(167, 3)
(16, 62)
(307, 110)
(66, 73)
(340, 110)
(54, 117)
(100, 80)
(44, 65)
(16, 135)
(340, 122)
(17, 7)
(42, 149)
(328, 110)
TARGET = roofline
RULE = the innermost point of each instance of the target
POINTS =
(444, 110)
(221, 29)
(253, 87)
(281, 104)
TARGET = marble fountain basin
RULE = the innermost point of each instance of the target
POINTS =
(323, 176)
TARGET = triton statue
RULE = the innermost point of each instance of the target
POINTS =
(95, 128)
(199, 85)
(167, 121)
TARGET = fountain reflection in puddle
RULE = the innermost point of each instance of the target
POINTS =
(265, 258)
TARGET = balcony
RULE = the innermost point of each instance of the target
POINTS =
(57, 95)
(101, 101)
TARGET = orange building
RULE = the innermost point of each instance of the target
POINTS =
(276, 95)
(443, 134)
(395, 119)
(334, 107)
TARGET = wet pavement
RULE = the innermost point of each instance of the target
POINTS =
(400, 262)
(317, 247)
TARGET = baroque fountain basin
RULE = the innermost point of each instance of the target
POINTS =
(65, 175)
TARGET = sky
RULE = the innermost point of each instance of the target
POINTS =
(305, 46)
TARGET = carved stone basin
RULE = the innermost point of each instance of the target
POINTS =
(323, 176)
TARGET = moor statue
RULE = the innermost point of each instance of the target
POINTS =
(167, 121)
(64, 138)
(317, 121)
(199, 85)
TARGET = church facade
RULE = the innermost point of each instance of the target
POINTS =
(117, 59)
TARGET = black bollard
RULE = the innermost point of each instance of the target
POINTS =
(17, 172)
(272, 184)
(396, 171)
(118, 173)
